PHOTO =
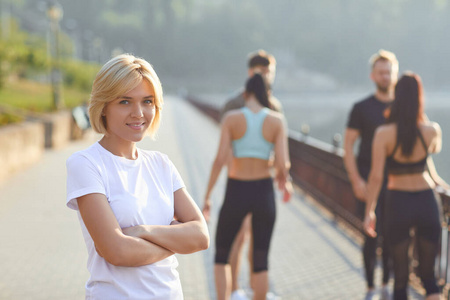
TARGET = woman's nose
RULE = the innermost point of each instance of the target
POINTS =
(137, 111)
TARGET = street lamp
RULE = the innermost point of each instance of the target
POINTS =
(55, 14)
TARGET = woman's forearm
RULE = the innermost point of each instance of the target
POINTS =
(136, 252)
(373, 190)
(182, 238)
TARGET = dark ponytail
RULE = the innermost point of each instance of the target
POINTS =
(407, 111)
(257, 86)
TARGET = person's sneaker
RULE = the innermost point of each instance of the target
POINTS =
(371, 295)
(272, 296)
(385, 293)
(239, 295)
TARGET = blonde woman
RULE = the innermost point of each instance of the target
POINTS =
(134, 210)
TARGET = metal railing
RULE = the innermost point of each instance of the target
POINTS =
(318, 169)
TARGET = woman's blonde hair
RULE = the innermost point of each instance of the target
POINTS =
(118, 76)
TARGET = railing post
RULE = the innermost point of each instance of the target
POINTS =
(305, 131)
(337, 138)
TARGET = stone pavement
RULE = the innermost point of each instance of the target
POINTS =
(44, 257)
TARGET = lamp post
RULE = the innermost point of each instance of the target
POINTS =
(55, 14)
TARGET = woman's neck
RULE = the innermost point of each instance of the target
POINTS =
(253, 104)
(122, 148)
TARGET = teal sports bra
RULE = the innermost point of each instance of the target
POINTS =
(253, 144)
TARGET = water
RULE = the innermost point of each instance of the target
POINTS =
(326, 114)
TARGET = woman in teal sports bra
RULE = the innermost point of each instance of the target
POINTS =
(253, 133)
(403, 146)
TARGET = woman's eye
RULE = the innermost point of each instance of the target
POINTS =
(148, 101)
(123, 102)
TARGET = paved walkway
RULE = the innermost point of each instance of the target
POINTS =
(44, 257)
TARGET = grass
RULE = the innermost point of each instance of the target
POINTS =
(35, 97)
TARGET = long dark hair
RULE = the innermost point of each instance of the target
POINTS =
(257, 86)
(407, 111)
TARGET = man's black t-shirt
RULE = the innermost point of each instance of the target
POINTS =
(366, 116)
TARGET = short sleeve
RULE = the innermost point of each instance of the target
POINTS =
(177, 181)
(355, 119)
(83, 178)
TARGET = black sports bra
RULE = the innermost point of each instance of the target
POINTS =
(400, 168)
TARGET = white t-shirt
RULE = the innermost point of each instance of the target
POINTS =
(139, 192)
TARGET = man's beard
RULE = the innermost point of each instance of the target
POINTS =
(383, 89)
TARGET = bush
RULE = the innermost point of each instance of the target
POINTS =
(8, 119)
(78, 74)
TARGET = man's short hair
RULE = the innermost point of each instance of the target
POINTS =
(260, 58)
(384, 55)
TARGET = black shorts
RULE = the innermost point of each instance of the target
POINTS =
(241, 198)
(418, 210)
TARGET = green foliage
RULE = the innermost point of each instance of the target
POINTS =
(6, 118)
(78, 74)
(36, 97)
(21, 54)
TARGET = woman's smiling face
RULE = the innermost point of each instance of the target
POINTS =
(129, 116)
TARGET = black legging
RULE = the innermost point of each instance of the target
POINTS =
(370, 243)
(419, 210)
(243, 197)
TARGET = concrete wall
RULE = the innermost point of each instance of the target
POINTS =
(23, 144)
(58, 129)
(20, 146)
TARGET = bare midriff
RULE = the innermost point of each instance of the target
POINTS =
(247, 168)
(410, 182)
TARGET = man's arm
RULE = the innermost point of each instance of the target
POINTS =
(359, 185)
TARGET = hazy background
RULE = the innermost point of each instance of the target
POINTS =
(202, 44)
(322, 47)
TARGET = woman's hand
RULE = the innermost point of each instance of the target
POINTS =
(284, 184)
(370, 224)
(288, 191)
(207, 209)
(175, 222)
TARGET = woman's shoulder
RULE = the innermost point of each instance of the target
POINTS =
(82, 160)
(233, 116)
(386, 130)
(431, 128)
(387, 127)
(275, 114)
(233, 113)
(275, 117)
(84, 155)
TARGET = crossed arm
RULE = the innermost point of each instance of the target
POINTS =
(143, 244)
